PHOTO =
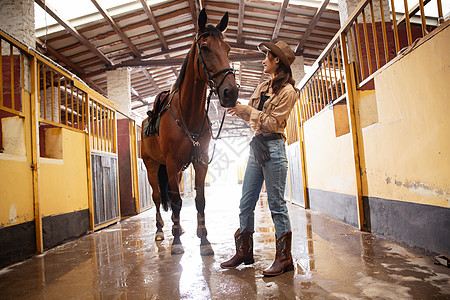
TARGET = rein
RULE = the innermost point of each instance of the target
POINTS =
(195, 137)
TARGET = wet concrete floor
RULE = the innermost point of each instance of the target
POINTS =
(332, 261)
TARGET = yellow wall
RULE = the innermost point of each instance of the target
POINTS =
(16, 190)
(64, 181)
(407, 153)
(329, 159)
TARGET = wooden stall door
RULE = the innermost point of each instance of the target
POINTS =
(104, 185)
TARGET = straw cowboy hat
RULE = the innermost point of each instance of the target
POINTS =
(281, 50)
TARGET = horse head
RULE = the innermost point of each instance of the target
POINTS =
(213, 54)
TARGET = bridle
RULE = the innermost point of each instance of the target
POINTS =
(213, 88)
(210, 78)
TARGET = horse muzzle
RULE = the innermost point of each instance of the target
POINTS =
(228, 93)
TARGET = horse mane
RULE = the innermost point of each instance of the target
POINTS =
(213, 31)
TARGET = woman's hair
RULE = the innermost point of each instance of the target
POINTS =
(283, 76)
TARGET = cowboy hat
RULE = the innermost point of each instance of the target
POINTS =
(280, 50)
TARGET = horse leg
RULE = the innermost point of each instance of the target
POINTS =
(200, 174)
(152, 173)
(176, 203)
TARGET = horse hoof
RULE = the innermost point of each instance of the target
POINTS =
(206, 250)
(177, 249)
(159, 236)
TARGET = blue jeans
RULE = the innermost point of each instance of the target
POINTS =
(274, 173)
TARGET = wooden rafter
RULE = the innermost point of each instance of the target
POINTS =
(73, 31)
(240, 21)
(151, 17)
(312, 25)
(152, 80)
(280, 19)
(116, 28)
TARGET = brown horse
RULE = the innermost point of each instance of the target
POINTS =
(184, 132)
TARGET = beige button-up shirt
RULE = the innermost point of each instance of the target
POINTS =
(276, 109)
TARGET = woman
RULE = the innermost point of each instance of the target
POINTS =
(267, 112)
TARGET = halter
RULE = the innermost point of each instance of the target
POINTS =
(195, 137)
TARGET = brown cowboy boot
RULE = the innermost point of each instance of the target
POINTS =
(283, 259)
(244, 250)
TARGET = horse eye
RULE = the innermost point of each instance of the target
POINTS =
(204, 47)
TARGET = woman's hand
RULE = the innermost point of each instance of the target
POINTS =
(240, 110)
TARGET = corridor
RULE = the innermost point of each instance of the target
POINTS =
(332, 261)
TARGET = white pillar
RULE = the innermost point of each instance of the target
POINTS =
(298, 69)
(18, 20)
(347, 7)
(119, 89)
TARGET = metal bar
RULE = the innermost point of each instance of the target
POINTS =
(97, 126)
(102, 111)
(11, 55)
(316, 97)
(78, 109)
(320, 89)
(65, 92)
(394, 21)
(44, 90)
(59, 98)
(408, 23)
(340, 70)
(115, 132)
(329, 84)
(422, 18)
(310, 100)
(323, 99)
(83, 110)
(358, 42)
(383, 28)
(331, 76)
(366, 39)
(335, 75)
(108, 133)
(52, 96)
(71, 105)
(375, 38)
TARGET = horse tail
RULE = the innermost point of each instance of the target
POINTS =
(163, 182)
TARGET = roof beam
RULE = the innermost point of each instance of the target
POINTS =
(73, 31)
(312, 25)
(152, 80)
(194, 8)
(240, 21)
(280, 19)
(151, 17)
(116, 28)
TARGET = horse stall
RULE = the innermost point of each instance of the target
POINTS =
(58, 157)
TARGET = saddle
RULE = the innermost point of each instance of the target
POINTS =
(151, 127)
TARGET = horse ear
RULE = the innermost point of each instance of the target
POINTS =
(202, 18)
(223, 23)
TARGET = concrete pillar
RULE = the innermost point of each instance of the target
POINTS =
(347, 7)
(298, 69)
(119, 89)
(47, 106)
(18, 20)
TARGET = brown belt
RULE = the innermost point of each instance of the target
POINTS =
(273, 136)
